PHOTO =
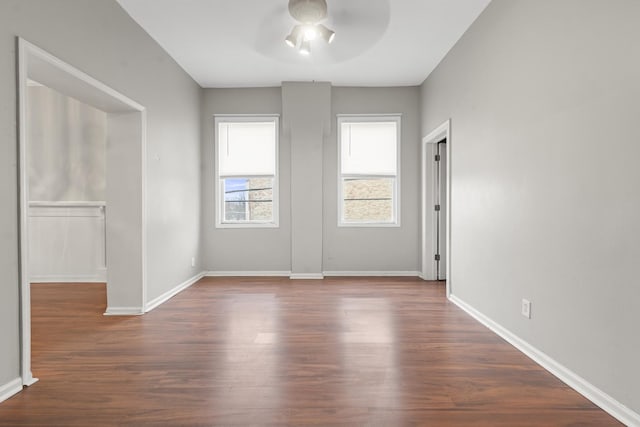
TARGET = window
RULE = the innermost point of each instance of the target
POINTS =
(246, 171)
(368, 170)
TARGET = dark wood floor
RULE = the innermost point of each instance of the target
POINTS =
(247, 351)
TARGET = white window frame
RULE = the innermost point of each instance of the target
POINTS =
(218, 183)
(363, 118)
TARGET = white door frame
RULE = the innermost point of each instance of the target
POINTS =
(429, 221)
(66, 79)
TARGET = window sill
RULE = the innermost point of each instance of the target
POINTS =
(248, 225)
(369, 224)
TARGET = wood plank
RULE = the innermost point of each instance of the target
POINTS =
(274, 351)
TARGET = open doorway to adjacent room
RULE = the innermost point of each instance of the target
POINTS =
(436, 205)
(82, 203)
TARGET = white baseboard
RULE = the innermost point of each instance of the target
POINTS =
(372, 273)
(124, 311)
(573, 380)
(312, 276)
(172, 292)
(306, 276)
(9, 389)
(29, 380)
(89, 278)
(247, 273)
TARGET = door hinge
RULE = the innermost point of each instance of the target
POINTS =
(437, 158)
(437, 257)
(437, 207)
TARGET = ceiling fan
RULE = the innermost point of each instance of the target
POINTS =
(308, 13)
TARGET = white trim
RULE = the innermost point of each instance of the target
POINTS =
(93, 278)
(42, 54)
(248, 224)
(246, 116)
(25, 285)
(573, 380)
(306, 276)
(399, 273)
(60, 211)
(438, 134)
(367, 115)
(397, 118)
(369, 224)
(9, 389)
(247, 274)
(172, 292)
(143, 183)
(24, 51)
(124, 311)
(219, 223)
(372, 273)
(67, 204)
(33, 83)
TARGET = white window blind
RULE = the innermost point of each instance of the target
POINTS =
(369, 173)
(369, 148)
(247, 149)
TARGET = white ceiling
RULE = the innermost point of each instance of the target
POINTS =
(240, 43)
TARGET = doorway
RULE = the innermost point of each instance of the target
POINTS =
(436, 205)
(440, 208)
(125, 222)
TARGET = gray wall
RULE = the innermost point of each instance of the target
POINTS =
(67, 141)
(306, 123)
(544, 99)
(343, 249)
(236, 249)
(99, 38)
(371, 248)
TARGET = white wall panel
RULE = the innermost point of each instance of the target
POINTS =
(67, 242)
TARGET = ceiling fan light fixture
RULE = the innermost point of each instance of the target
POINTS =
(308, 13)
(327, 34)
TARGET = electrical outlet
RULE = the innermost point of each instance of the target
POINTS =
(193, 262)
(526, 308)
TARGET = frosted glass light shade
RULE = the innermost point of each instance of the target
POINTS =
(327, 34)
(305, 47)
